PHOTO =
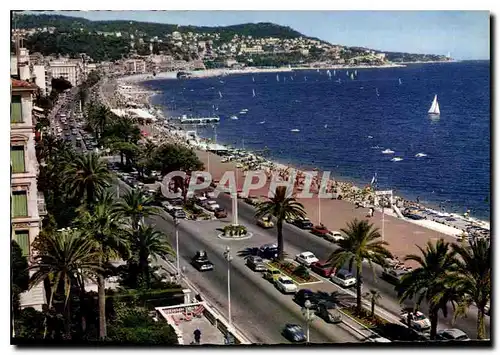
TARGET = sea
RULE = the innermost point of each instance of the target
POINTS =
(342, 124)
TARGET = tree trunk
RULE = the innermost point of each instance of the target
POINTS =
(83, 307)
(121, 158)
(481, 331)
(101, 291)
(281, 254)
(359, 282)
(434, 322)
(67, 319)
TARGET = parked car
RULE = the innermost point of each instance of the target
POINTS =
(418, 320)
(272, 274)
(294, 333)
(329, 312)
(453, 334)
(322, 268)
(211, 205)
(306, 258)
(285, 284)
(220, 213)
(265, 222)
(256, 263)
(304, 294)
(303, 223)
(375, 338)
(167, 206)
(200, 200)
(200, 261)
(393, 276)
(343, 278)
(268, 251)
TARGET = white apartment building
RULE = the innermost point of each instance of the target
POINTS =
(70, 71)
(27, 204)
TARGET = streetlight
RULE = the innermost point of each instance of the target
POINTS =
(176, 223)
(306, 311)
(227, 255)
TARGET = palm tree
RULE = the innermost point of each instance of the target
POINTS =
(282, 206)
(473, 279)
(374, 296)
(362, 242)
(429, 280)
(87, 176)
(148, 242)
(61, 258)
(104, 228)
(135, 206)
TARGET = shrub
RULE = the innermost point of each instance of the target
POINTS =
(301, 271)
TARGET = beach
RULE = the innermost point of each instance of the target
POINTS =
(403, 235)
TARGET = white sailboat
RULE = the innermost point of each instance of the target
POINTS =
(356, 72)
(334, 72)
(253, 79)
(352, 76)
(347, 72)
(376, 91)
(400, 82)
(434, 110)
(220, 95)
(317, 70)
(253, 92)
(277, 77)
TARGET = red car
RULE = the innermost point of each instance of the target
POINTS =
(320, 231)
(323, 268)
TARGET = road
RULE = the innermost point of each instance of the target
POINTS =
(257, 307)
(297, 240)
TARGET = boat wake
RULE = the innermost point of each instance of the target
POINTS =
(234, 117)
(396, 159)
(262, 122)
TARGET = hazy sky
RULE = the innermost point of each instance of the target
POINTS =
(465, 34)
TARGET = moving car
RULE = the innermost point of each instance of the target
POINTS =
(329, 312)
(265, 222)
(306, 258)
(418, 320)
(393, 276)
(304, 294)
(453, 334)
(335, 236)
(285, 284)
(256, 263)
(178, 213)
(220, 213)
(212, 206)
(343, 278)
(268, 251)
(320, 231)
(272, 274)
(303, 223)
(323, 268)
(200, 261)
(294, 333)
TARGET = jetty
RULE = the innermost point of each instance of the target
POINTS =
(184, 119)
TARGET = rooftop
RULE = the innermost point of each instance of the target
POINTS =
(22, 85)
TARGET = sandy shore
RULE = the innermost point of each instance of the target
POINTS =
(403, 237)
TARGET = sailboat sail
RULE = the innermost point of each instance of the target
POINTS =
(400, 81)
(356, 72)
(334, 73)
(277, 77)
(253, 92)
(253, 79)
(220, 94)
(434, 110)
(352, 76)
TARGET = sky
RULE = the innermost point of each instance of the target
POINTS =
(464, 34)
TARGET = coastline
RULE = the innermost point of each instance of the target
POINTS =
(346, 182)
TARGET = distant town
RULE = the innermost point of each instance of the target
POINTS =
(69, 47)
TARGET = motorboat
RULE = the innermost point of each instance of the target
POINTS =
(388, 151)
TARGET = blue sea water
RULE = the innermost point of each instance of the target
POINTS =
(336, 120)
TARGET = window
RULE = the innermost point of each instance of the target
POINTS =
(19, 204)
(17, 159)
(23, 239)
(16, 114)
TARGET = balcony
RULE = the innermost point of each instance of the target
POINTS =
(42, 210)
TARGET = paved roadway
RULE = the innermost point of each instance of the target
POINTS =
(297, 240)
(258, 308)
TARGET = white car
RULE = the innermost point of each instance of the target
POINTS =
(200, 199)
(285, 284)
(336, 236)
(212, 207)
(418, 320)
(375, 338)
(167, 205)
(306, 258)
(343, 278)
